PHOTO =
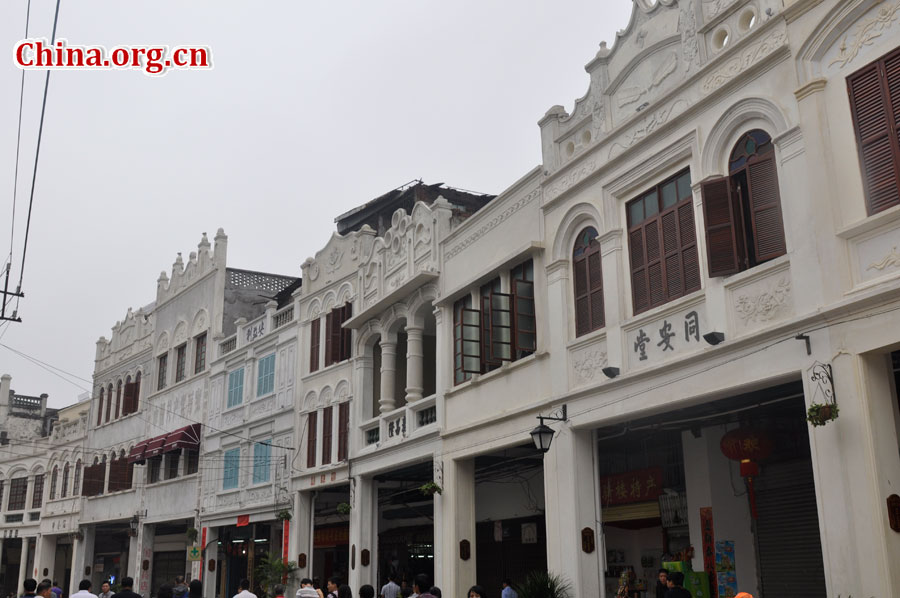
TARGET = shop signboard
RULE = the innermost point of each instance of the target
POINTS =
(194, 554)
(631, 487)
(709, 547)
(331, 536)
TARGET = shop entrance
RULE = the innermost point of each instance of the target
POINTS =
(671, 497)
(9, 566)
(240, 551)
(510, 528)
(331, 534)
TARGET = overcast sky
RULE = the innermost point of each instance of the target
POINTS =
(310, 110)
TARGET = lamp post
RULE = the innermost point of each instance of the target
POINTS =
(542, 435)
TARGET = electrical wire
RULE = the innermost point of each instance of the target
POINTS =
(18, 145)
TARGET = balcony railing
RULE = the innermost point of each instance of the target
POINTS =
(283, 317)
(228, 345)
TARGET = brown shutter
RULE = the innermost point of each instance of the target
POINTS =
(672, 254)
(638, 270)
(595, 276)
(765, 207)
(346, 333)
(336, 334)
(721, 229)
(582, 298)
(326, 435)
(129, 474)
(329, 337)
(655, 280)
(100, 408)
(343, 429)
(129, 407)
(688, 236)
(311, 428)
(314, 334)
(876, 125)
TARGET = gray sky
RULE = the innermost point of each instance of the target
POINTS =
(310, 109)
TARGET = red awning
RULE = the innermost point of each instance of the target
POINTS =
(137, 452)
(187, 437)
(155, 446)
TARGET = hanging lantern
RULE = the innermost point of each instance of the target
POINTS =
(747, 446)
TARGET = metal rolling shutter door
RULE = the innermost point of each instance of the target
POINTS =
(787, 532)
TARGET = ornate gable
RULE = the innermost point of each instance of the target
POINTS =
(339, 258)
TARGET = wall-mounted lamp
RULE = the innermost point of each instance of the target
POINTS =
(542, 435)
(714, 338)
(133, 525)
(610, 372)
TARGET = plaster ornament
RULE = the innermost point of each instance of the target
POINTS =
(865, 33)
(766, 304)
(892, 259)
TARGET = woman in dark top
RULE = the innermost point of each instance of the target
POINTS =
(676, 581)
(661, 583)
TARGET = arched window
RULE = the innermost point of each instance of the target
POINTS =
(137, 392)
(76, 479)
(109, 396)
(589, 313)
(118, 397)
(743, 210)
(63, 490)
(100, 408)
(53, 477)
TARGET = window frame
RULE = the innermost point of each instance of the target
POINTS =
(265, 375)
(199, 353)
(582, 262)
(315, 333)
(262, 462)
(37, 494)
(19, 491)
(234, 389)
(162, 371)
(231, 464)
(180, 362)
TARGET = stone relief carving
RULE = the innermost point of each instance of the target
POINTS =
(891, 260)
(333, 260)
(766, 304)
(648, 125)
(495, 222)
(712, 8)
(233, 418)
(632, 94)
(750, 56)
(865, 33)
(313, 271)
(690, 42)
(259, 494)
(587, 364)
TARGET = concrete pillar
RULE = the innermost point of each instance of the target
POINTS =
(23, 564)
(82, 557)
(458, 508)
(210, 552)
(438, 522)
(302, 531)
(146, 535)
(134, 561)
(388, 368)
(5, 381)
(442, 364)
(415, 356)
(571, 506)
(45, 557)
(364, 530)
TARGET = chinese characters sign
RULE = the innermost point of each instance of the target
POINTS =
(631, 487)
(656, 341)
(709, 547)
(331, 536)
(255, 331)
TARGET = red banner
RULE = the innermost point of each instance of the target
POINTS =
(709, 548)
(634, 486)
(331, 536)
(202, 548)
(285, 539)
(243, 520)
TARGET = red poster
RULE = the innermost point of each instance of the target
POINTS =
(285, 542)
(634, 486)
(202, 548)
(243, 520)
(709, 548)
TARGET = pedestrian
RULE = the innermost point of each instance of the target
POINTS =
(43, 589)
(126, 591)
(84, 590)
(435, 591)
(333, 584)
(390, 589)
(421, 583)
(195, 589)
(278, 591)
(366, 591)
(105, 591)
(507, 590)
(57, 591)
(164, 591)
(676, 583)
(344, 591)
(661, 586)
(477, 591)
(405, 592)
(306, 589)
(29, 585)
(244, 588)
(179, 591)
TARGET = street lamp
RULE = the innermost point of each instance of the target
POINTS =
(542, 435)
(133, 524)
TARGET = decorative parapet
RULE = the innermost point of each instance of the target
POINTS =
(199, 264)
(339, 258)
(130, 336)
(408, 247)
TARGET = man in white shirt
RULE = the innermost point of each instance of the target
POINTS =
(84, 590)
(390, 589)
(245, 590)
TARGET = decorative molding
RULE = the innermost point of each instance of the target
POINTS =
(814, 86)
(766, 304)
(630, 95)
(891, 260)
(647, 126)
(714, 7)
(690, 41)
(746, 59)
(587, 364)
(865, 33)
(492, 224)
(333, 260)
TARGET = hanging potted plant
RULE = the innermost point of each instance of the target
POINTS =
(343, 508)
(192, 534)
(820, 414)
(284, 515)
(430, 488)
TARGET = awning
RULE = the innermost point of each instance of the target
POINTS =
(155, 446)
(187, 437)
(137, 452)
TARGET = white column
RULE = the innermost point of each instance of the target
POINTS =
(146, 535)
(210, 552)
(569, 492)
(415, 356)
(134, 559)
(45, 556)
(302, 532)
(23, 562)
(442, 364)
(76, 573)
(363, 530)
(388, 367)
(458, 507)
(438, 522)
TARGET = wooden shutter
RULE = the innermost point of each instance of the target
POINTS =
(326, 435)
(337, 334)
(343, 429)
(655, 280)
(329, 338)
(875, 105)
(582, 297)
(671, 247)
(765, 208)
(346, 333)
(595, 288)
(524, 316)
(314, 334)
(639, 293)
(129, 474)
(722, 236)
(688, 241)
(129, 406)
(496, 328)
(100, 408)
(311, 428)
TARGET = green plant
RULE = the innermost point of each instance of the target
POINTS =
(542, 584)
(192, 534)
(271, 570)
(284, 515)
(344, 508)
(430, 489)
(820, 414)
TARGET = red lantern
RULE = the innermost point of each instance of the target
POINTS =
(747, 446)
